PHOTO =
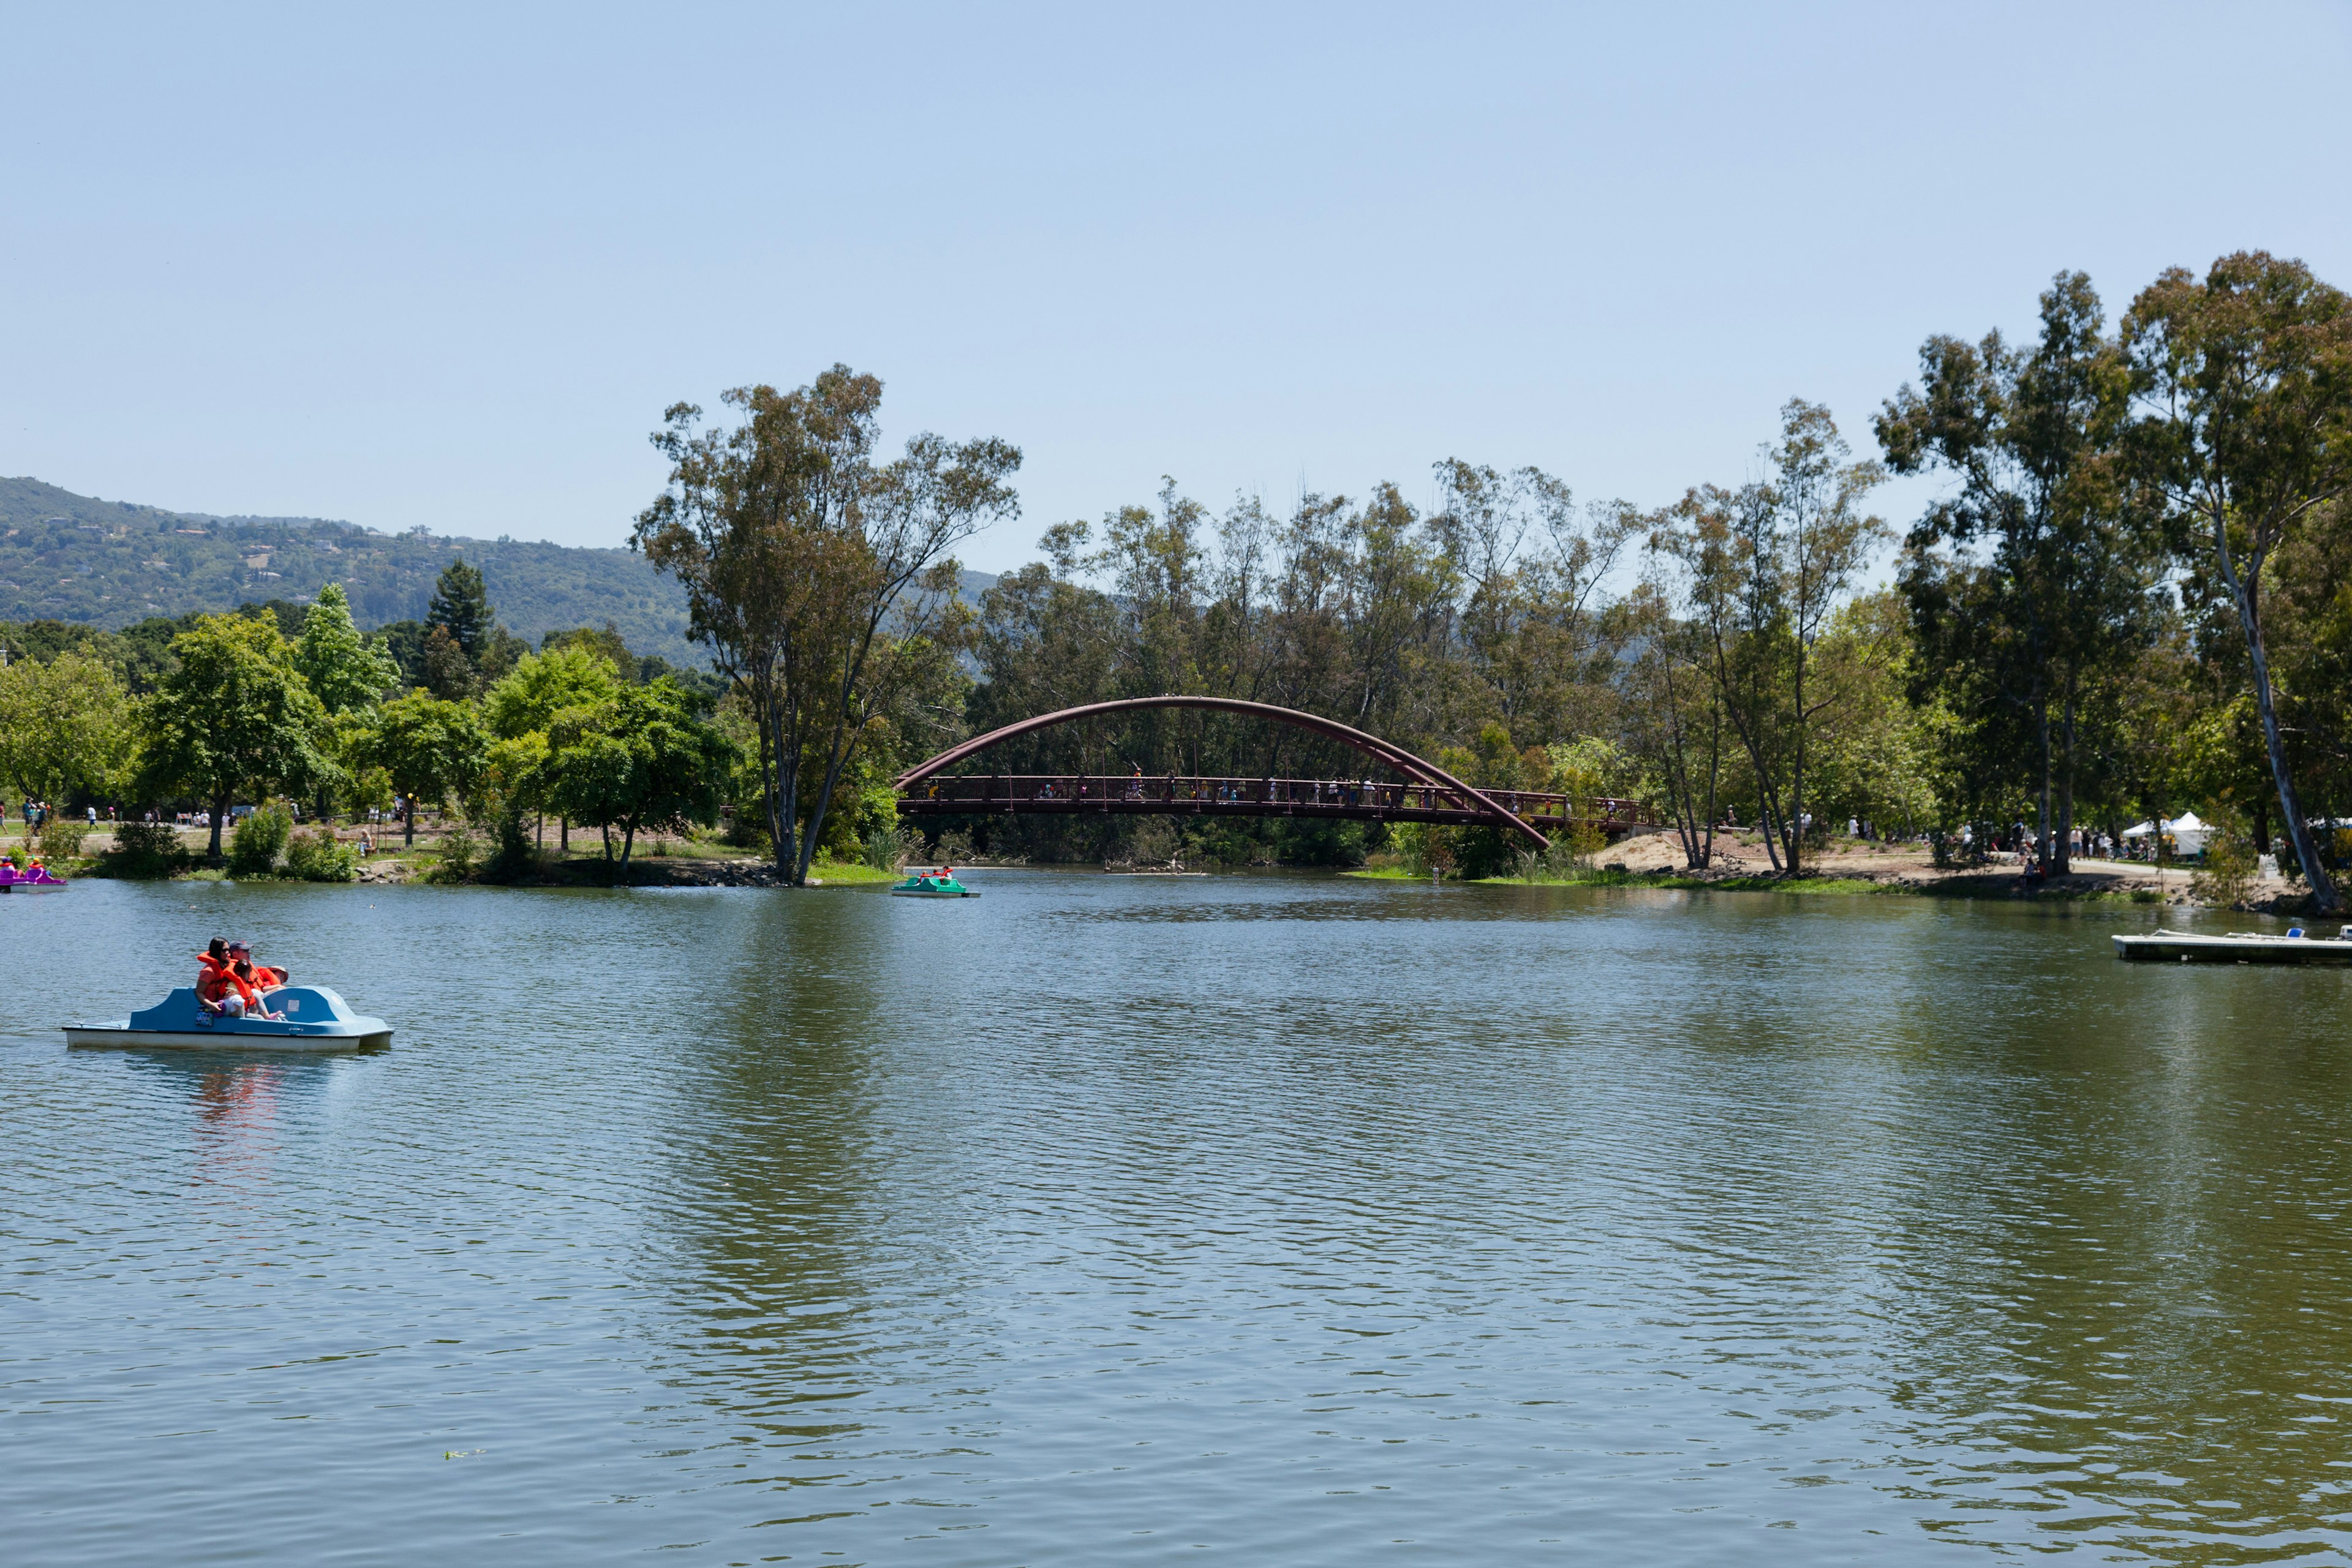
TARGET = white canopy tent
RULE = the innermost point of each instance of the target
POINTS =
(2188, 835)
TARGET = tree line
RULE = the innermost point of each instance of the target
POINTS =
(275, 701)
(2131, 595)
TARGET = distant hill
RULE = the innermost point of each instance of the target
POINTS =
(108, 564)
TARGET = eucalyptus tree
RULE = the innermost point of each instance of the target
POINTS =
(1762, 571)
(1724, 584)
(1676, 716)
(2243, 381)
(1533, 565)
(2030, 578)
(808, 569)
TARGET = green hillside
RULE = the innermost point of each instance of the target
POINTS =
(108, 564)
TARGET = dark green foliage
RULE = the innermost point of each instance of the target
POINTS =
(448, 673)
(461, 606)
(315, 856)
(405, 640)
(144, 851)
(259, 839)
(640, 762)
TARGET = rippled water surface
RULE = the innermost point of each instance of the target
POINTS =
(1298, 1219)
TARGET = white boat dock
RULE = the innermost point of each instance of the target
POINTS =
(2237, 947)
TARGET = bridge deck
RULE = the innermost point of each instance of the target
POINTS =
(1183, 794)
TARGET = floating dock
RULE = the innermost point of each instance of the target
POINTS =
(2240, 947)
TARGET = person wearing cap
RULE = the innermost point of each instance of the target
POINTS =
(261, 977)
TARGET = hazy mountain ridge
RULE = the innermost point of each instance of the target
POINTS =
(103, 564)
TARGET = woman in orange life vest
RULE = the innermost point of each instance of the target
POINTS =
(220, 990)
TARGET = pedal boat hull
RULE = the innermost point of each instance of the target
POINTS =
(927, 885)
(317, 1019)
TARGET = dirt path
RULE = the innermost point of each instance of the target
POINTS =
(1910, 865)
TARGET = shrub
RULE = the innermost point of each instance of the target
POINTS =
(316, 857)
(459, 851)
(2228, 867)
(888, 849)
(143, 850)
(512, 854)
(61, 838)
(259, 839)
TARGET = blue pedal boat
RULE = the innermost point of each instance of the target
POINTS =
(316, 1019)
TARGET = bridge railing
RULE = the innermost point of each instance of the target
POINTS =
(1253, 796)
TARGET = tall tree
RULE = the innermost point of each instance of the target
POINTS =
(344, 670)
(236, 716)
(2028, 579)
(808, 567)
(1677, 719)
(1763, 570)
(461, 605)
(2244, 379)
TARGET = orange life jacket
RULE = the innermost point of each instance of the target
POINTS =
(214, 979)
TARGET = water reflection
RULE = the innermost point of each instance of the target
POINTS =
(236, 1118)
(770, 1246)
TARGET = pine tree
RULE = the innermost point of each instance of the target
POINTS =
(462, 605)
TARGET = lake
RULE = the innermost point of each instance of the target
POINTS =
(1277, 1219)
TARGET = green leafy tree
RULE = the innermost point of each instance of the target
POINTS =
(638, 760)
(544, 685)
(346, 672)
(432, 750)
(522, 709)
(68, 728)
(1762, 571)
(809, 568)
(235, 717)
(2030, 578)
(2246, 378)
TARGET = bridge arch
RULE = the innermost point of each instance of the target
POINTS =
(1394, 756)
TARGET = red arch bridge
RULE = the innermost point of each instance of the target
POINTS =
(1421, 792)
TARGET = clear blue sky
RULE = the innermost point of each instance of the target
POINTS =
(446, 267)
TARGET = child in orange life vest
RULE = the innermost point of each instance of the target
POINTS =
(261, 977)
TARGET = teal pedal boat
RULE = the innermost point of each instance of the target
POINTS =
(313, 1018)
(931, 885)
